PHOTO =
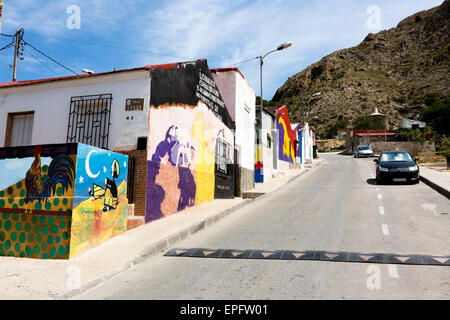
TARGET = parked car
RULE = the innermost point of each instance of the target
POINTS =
(363, 151)
(397, 166)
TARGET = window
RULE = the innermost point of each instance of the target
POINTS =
(19, 129)
(89, 120)
(223, 154)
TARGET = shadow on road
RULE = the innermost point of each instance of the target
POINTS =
(373, 182)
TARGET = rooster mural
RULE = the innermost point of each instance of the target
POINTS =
(40, 186)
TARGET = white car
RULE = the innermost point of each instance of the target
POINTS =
(363, 151)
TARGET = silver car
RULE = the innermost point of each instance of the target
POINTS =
(363, 151)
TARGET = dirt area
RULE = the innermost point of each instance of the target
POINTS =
(330, 145)
(440, 166)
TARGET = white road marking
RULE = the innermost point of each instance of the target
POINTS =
(378, 189)
(385, 229)
(380, 197)
(381, 209)
(430, 207)
(393, 271)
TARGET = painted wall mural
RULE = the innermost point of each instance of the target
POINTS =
(300, 143)
(182, 140)
(259, 166)
(43, 203)
(286, 136)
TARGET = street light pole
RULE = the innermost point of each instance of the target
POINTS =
(261, 63)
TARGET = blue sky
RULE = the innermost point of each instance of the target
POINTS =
(16, 169)
(133, 33)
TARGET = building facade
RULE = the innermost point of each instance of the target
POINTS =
(131, 112)
(240, 98)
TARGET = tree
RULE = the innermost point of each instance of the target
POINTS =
(369, 123)
(437, 112)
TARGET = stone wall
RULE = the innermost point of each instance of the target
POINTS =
(411, 147)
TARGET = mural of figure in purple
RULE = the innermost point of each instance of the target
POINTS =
(177, 154)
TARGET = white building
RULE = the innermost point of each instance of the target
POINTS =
(89, 108)
(306, 136)
(112, 111)
(240, 98)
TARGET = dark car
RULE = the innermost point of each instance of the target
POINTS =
(397, 166)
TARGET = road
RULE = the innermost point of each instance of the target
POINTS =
(334, 207)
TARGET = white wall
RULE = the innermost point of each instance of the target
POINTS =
(307, 146)
(51, 104)
(240, 99)
(268, 155)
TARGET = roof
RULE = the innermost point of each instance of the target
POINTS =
(227, 70)
(82, 76)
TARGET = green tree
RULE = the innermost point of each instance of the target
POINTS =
(437, 113)
(369, 123)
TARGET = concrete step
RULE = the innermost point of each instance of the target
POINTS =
(252, 195)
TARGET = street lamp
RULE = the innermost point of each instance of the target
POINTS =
(261, 63)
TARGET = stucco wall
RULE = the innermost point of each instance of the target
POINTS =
(51, 105)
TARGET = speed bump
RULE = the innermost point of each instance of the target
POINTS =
(357, 257)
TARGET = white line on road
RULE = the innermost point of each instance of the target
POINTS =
(380, 197)
(381, 209)
(393, 272)
(378, 189)
(385, 229)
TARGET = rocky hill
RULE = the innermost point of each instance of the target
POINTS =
(392, 70)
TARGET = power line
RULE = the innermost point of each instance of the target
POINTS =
(9, 44)
(242, 62)
(105, 45)
(48, 57)
(37, 59)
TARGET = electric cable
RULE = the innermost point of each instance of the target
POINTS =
(48, 57)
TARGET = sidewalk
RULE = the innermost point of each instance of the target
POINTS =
(62, 279)
(438, 180)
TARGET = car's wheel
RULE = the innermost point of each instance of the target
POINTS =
(379, 181)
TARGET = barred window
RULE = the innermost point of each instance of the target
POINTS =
(89, 120)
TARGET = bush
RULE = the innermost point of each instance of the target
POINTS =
(437, 113)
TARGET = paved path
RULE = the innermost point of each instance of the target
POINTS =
(337, 207)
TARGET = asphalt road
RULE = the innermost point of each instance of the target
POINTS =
(334, 207)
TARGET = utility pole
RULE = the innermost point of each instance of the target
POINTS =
(1, 13)
(17, 46)
(16, 53)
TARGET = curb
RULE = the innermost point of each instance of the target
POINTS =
(436, 187)
(163, 244)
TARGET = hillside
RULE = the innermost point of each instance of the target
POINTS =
(393, 70)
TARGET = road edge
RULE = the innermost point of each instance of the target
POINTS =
(436, 187)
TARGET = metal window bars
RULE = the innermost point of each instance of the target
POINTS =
(89, 120)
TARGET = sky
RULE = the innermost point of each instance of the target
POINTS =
(104, 35)
(17, 170)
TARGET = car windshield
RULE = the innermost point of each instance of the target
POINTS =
(364, 148)
(396, 156)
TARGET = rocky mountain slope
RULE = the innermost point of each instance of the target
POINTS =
(392, 70)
